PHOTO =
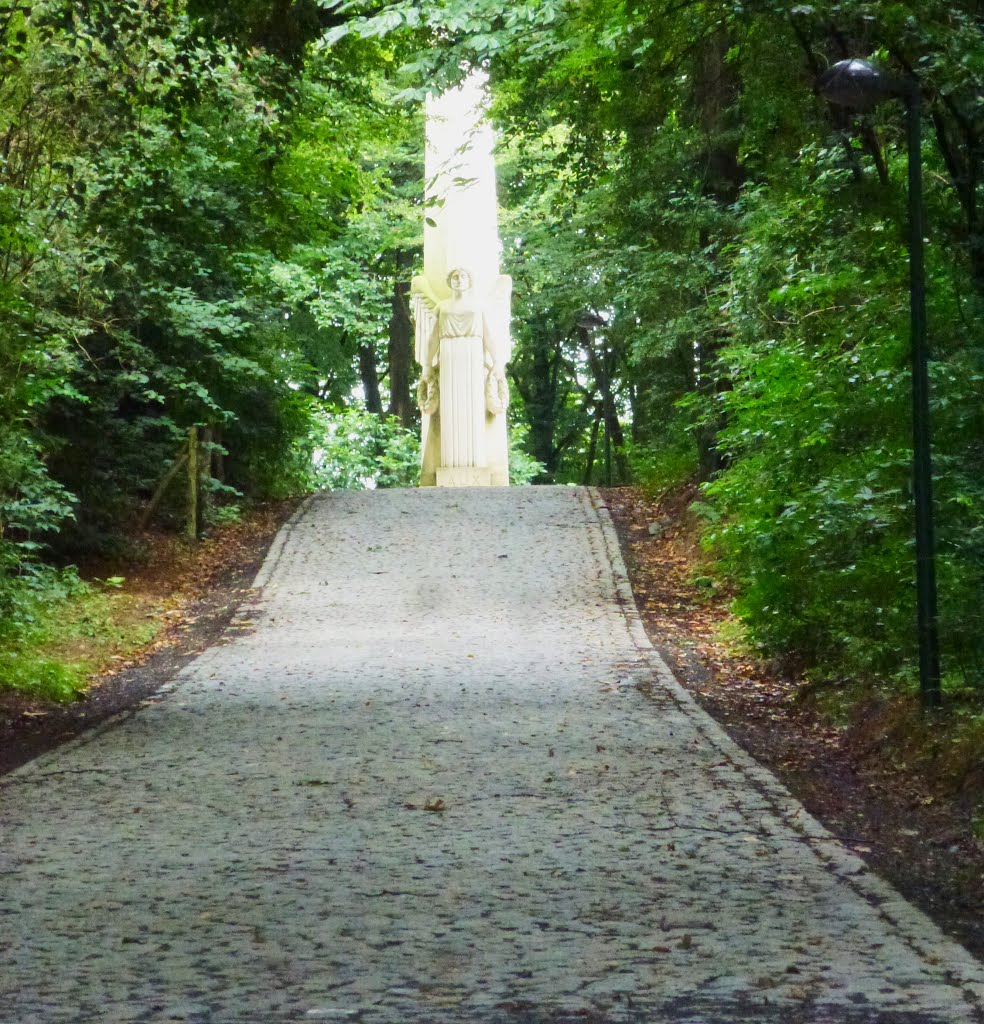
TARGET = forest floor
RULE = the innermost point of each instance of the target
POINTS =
(876, 773)
(866, 775)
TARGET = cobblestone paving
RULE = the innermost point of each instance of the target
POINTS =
(437, 774)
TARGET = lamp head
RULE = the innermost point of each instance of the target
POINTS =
(589, 320)
(858, 84)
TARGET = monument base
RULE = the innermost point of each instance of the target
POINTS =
(464, 476)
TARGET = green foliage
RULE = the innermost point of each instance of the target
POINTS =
(523, 468)
(69, 631)
(225, 515)
(194, 231)
(666, 465)
(171, 183)
(33, 607)
(817, 526)
(356, 450)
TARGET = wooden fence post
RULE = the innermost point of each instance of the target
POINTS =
(180, 459)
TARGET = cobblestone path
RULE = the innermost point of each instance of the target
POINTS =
(436, 774)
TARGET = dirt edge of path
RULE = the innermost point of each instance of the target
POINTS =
(212, 584)
(912, 834)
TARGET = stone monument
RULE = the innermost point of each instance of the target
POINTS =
(461, 301)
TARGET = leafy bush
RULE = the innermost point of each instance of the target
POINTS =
(30, 603)
(667, 464)
(523, 468)
(815, 498)
(355, 449)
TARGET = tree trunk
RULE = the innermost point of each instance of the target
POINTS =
(162, 487)
(218, 456)
(369, 373)
(708, 459)
(205, 477)
(716, 95)
(716, 92)
(617, 438)
(602, 366)
(191, 525)
(400, 347)
(541, 400)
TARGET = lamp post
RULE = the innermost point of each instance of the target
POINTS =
(861, 85)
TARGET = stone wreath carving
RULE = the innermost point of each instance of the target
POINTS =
(496, 392)
(428, 393)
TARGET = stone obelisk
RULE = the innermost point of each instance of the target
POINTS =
(461, 301)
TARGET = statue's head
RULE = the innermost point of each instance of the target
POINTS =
(459, 279)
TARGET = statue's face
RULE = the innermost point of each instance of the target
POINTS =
(459, 279)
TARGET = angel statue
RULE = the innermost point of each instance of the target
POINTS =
(462, 347)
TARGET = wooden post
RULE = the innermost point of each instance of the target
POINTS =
(165, 482)
(191, 529)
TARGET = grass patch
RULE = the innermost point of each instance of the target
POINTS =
(60, 635)
(66, 635)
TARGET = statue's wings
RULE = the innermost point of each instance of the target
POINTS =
(420, 286)
(499, 316)
(425, 304)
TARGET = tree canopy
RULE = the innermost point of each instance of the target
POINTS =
(209, 214)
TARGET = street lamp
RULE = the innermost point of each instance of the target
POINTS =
(861, 85)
